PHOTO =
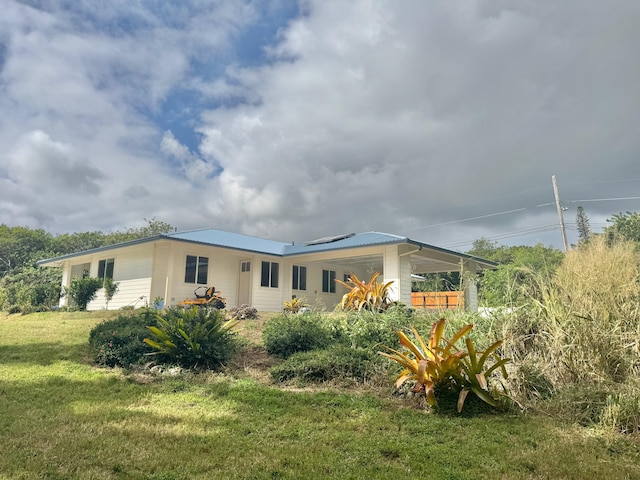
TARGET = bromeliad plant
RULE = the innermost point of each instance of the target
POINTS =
(196, 337)
(295, 305)
(371, 295)
(438, 363)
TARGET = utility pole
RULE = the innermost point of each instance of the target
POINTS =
(559, 208)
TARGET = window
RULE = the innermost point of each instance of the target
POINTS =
(196, 270)
(269, 277)
(299, 281)
(245, 267)
(329, 281)
(105, 268)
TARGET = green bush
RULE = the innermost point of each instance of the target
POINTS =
(369, 330)
(119, 342)
(337, 362)
(286, 334)
(83, 290)
(196, 337)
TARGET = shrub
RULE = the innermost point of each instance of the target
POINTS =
(196, 337)
(119, 342)
(337, 362)
(83, 290)
(286, 334)
(366, 329)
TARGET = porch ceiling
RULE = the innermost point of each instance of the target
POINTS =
(421, 262)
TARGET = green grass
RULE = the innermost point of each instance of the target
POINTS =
(61, 418)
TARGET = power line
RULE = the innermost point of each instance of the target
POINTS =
(516, 210)
(500, 236)
(604, 199)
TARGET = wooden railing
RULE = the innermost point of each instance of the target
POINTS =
(437, 300)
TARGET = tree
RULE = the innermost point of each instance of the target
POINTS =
(21, 246)
(625, 225)
(506, 284)
(83, 290)
(110, 289)
(582, 222)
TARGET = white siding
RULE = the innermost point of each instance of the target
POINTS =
(224, 266)
(314, 295)
(131, 271)
(151, 270)
(269, 299)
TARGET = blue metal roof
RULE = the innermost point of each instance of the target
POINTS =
(239, 241)
(231, 240)
(350, 241)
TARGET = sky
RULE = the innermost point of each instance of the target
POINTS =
(443, 121)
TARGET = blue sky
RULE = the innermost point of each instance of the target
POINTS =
(439, 120)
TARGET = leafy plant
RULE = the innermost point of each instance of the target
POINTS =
(371, 295)
(285, 334)
(366, 329)
(110, 289)
(438, 363)
(337, 362)
(195, 337)
(474, 378)
(158, 303)
(83, 290)
(295, 305)
(119, 342)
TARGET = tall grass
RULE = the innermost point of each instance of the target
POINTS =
(576, 341)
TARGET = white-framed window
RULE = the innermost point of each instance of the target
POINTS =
(105, 268)
(299, 278)
(329, 281)
(245, 266)
(196, 270)
(269, 274)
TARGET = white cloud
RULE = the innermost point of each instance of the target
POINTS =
(372, 114)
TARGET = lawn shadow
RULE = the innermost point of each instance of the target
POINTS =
(43, 353)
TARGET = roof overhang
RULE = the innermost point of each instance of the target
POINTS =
(356, 250)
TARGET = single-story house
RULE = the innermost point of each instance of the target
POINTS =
(259, 272)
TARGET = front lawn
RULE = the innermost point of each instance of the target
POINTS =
(62, 418)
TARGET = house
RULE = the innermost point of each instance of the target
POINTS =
(259, 272)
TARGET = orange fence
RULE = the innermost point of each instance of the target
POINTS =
(437, 300)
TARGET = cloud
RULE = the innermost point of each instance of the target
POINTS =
(402, 115)
(194, 168)
(440, 120)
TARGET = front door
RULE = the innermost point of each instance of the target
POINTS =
(244, 285)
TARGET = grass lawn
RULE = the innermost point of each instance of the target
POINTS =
(61, 418)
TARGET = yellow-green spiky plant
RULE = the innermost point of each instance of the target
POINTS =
(438, 363)
(371, 295)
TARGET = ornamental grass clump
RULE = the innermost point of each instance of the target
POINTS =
(438, 364)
